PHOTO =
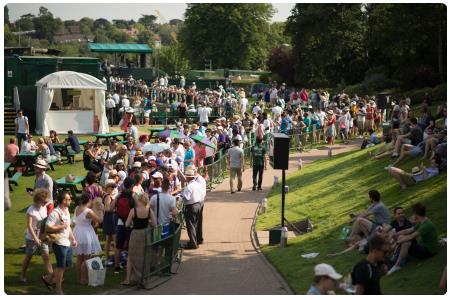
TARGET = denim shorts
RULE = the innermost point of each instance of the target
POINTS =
(63, 256)
(31, 248)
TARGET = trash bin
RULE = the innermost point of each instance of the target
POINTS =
(275, 236)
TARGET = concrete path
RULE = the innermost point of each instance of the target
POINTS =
(228, 263)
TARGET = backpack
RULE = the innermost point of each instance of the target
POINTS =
(124, 204)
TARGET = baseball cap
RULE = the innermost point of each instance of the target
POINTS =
(157, 175)
(326, 270)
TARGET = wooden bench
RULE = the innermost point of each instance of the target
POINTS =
(14, 180)
(71, 155)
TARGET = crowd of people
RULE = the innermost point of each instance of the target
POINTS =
(390, 240)
(132, 186)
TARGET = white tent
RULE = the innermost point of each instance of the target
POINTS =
(92, 100)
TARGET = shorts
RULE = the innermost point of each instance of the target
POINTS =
(418, 251)
(31, 248)
(416, 151)
(63, 256)
(109, 223)
(407, 141)
(122, 236)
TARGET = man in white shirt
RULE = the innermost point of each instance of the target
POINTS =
(22, 127)
(110, 106)
(192, 197)
(243, 104)
(202, 183)
(256, 109)
(125, 101)
(204, 113)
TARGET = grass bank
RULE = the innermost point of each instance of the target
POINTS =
(325, 192)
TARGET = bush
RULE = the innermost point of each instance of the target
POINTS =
(439, 93)
(377, 82)
(358, 89)
(418, 95)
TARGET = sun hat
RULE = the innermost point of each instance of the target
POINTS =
(330, 112)
(326, 270)
(157, 175)
(137, 164)
(120, 162)
(41, 164)
(138, 153)
(189, 173)
(70, 178)
(151, 158)
(110, 183)
(416, 171)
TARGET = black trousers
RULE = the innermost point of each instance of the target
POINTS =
(110, 115)
(200, 225)
(192, 214)
(256, 170)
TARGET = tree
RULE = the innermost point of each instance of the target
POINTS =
(328, 41)
(6, 14)
(101, 23)
(175, 22)
(281, 62)
(148, 21)
(231, 35)
(146, 37)
(172, 61)
(25, 23)
(408, 41)
(46, 26)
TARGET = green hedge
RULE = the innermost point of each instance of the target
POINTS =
(438, 93)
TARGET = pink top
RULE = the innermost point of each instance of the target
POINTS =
(11, 151)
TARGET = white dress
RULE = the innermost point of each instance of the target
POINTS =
(85, 235)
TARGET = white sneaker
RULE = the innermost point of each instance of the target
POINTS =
(392, 270)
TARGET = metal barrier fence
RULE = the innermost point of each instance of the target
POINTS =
(161, 254)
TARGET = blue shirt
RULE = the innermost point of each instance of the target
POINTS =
(73, 141)
(313, 291)
(189, 154)
(284, 125)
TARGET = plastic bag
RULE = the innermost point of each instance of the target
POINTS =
(96, 271)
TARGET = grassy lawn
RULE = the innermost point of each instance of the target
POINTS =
(15, 237)
(325, 192)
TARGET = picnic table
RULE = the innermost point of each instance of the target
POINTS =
(108, 136)
(29, 158)
(61, 183)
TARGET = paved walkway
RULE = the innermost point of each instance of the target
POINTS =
(227, 263)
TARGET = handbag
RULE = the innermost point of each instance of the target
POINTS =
(49, 237)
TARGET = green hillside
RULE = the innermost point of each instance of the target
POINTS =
(325, 192)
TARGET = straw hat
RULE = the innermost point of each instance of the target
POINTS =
(189, 173)
(416, 171)
(41, 164)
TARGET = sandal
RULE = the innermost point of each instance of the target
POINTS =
(47, 284)
(126, 283)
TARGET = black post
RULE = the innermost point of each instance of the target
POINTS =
(283, 183)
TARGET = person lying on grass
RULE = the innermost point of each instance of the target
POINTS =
(361, 225)
(417, 173)
(419, 241)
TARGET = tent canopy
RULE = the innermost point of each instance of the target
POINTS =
(71, 80)
(120, 48)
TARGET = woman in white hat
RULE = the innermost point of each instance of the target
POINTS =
(331, 128)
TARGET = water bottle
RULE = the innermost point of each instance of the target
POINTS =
(300, 163)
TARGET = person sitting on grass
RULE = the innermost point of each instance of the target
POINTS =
(420, 241)
(413, 137)
(400, 222)
(417, 173)
(367, 273)
(408, 150)
(364, 227)
(433, 140)
(325, 280)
